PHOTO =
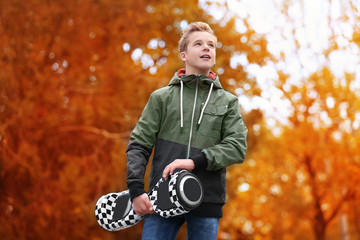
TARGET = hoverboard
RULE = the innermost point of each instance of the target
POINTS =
(178, 195)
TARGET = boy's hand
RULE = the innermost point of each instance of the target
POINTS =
(187, 164)
(142, 205)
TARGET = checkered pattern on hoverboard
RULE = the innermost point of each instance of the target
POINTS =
(106, 205)
(104, 212)
(179, 209)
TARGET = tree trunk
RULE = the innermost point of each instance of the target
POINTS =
(319, 220)
(319, 223)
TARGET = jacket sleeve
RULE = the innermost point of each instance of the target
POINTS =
(233, 146)
(142, 140)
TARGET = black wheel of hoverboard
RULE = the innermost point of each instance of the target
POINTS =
(176, 196)
(189, 190)
(182, 193)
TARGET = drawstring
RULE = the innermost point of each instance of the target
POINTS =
(206, 102)
(181, 104)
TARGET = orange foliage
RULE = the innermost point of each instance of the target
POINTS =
(72, 88)
(75, 76)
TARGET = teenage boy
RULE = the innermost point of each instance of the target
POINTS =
(194, 124)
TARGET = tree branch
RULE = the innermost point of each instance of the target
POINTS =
(97, 131)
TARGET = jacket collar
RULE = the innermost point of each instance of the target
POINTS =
(180, 76)
(182, 71)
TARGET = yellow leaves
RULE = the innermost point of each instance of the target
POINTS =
(356, 37)
(70, 93)
(305, 166)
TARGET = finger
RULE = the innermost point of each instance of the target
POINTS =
(172, 168)
(169, 172)
(143, 211)
(165, 173)
(138, 212)
(149, 207)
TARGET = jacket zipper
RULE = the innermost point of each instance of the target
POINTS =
(192, 117)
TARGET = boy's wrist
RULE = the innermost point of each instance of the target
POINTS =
(135, 190)
(200, 161)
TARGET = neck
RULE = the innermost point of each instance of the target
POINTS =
(197, 72)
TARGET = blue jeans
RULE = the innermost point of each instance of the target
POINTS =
(198, 228)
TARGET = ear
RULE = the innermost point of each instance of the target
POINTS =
(183, 56)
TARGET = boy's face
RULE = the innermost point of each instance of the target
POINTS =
(199, 57)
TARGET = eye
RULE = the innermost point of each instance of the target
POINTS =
(211, 45)
(197, 44)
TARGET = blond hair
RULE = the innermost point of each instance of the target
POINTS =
(193, 27)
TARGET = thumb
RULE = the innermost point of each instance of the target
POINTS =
(149, 205)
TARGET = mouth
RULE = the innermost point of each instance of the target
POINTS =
(205, 56)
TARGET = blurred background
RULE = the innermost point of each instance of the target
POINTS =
(76, 74)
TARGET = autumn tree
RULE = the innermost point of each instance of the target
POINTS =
(300, 178)
(75, 76)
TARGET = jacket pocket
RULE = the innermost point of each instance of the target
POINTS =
(211, 123)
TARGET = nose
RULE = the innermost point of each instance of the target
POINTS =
(206, 47)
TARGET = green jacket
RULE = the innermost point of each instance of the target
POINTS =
(193, 117)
